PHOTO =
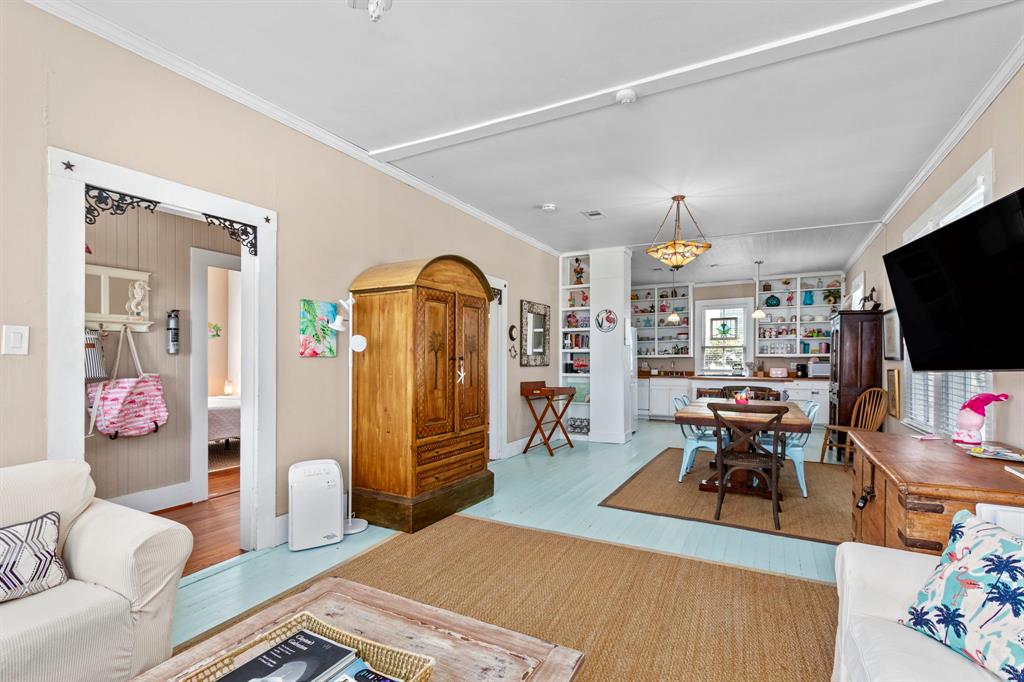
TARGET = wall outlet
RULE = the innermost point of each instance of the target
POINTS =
(14, 340)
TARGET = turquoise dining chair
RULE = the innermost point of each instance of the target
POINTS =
(694, 438)
(795, 443)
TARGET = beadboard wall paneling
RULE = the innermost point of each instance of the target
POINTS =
(158, 243)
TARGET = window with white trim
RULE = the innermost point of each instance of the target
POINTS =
(724, 347)
(933, 399)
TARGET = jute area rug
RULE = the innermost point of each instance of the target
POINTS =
(635, 614)
(825, 514)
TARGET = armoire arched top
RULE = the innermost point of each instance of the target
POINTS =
(450, 271)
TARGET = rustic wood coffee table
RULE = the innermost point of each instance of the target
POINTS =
(465, 649)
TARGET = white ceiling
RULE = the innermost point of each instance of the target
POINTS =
(821, 130)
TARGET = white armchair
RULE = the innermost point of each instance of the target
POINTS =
(112, 619)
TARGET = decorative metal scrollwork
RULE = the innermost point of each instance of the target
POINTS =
(98, 200)
(243, 233)
(496, 293)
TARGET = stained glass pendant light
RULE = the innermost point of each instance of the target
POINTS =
(678, 252)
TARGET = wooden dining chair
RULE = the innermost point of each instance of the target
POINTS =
(748, 447)
(756, 392)
(709, 393)
(868, 414)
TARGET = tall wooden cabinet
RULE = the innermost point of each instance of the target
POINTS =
(420, 392)
(856, 360)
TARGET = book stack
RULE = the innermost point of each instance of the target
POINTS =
(306, 657)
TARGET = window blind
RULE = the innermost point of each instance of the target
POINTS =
(934, 399)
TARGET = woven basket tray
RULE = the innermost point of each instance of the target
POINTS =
(382, 658)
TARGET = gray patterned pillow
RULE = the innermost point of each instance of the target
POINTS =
(28, 557)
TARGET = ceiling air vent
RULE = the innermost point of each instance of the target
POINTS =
(593, 215)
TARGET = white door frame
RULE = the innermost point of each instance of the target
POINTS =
(698, 323)
(497, 375)
(200, 260)
(65, 319)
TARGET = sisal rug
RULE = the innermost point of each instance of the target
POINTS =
(824, 515)
(635, 614)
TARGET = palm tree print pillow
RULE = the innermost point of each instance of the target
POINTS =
(973, 602)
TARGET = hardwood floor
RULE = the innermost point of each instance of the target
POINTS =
(559, 493)
(214, 523)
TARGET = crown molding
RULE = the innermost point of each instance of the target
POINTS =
(83, 18)
(1003, 74)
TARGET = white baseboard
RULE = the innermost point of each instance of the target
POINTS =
(280, 530)
(157, 498)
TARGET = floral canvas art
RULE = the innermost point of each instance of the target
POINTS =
(973, 602)
(316, 338)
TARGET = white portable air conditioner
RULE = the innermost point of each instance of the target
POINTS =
(315, 504)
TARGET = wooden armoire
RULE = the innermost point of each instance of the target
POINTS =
(856, 359)
(419, 433)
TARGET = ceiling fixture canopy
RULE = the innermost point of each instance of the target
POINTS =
(375, 8)
(679, 251)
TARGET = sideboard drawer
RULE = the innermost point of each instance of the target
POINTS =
(436, 450)
(450, 470)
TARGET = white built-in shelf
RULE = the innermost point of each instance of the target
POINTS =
(575, 350)
(582, 307)
(567, 330)
(575, 286)
(575, 374)
(798, 288)
(684, 292)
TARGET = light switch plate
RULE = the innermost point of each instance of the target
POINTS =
(15, 340)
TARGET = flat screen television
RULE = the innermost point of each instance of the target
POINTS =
(959, 291)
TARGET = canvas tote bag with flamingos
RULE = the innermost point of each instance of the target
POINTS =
(127, 407)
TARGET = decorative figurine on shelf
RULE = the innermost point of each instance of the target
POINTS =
(789, 298)
(577, 271)
(808, 298)
(675, 294)
(663, 307)
(571, 301)
(971, 420)
(870, 299)
(570, 321)
(584, 298)
(772, 301)
(136, 296)
(820, 283)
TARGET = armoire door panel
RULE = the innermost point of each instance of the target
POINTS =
(435, 361)
(471, 344)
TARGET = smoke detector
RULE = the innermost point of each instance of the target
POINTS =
(625, 96)
(593, 215)
(548, 208)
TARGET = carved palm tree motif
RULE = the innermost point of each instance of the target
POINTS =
(471, 348)
(436, 346)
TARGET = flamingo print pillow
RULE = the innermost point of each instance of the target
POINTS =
(973, 602)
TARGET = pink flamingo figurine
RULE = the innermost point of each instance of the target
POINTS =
(966, 583)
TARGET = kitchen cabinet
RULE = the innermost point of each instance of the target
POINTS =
(643, 396)
(816, 391)
(662, 392)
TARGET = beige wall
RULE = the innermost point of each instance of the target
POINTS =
(158, 243)
(64, 87)
(217, 312)
(709, 293)
(1001, 129)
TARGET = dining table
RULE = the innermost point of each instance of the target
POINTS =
(742, 481)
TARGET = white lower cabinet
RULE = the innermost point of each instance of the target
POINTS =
(662, 393)
(643, 397)
(816, 391)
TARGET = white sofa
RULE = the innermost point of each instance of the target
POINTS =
(112, 619)
(876, 587)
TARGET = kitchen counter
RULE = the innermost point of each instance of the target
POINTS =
(732, 379)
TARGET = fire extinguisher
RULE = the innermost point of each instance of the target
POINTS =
(173, 332)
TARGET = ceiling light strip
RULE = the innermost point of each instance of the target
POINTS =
(706, 63)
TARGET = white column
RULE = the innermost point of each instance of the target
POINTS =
(609, 365)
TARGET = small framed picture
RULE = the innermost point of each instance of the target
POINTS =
(892, 336)
(892, 382)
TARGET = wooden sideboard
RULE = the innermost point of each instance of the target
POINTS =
(911, 489)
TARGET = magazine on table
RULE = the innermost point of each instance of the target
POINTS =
(303, 657)
(360, 671)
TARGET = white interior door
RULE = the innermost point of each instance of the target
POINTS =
(497, 369)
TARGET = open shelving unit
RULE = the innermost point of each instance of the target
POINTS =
(650, 307)
(573, 322)
(797, 324)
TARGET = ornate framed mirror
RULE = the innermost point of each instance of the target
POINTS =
(535, 334)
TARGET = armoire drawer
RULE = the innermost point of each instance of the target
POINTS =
(450, 470)
(435, 451)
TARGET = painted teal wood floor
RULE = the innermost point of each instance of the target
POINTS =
(559, 493)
